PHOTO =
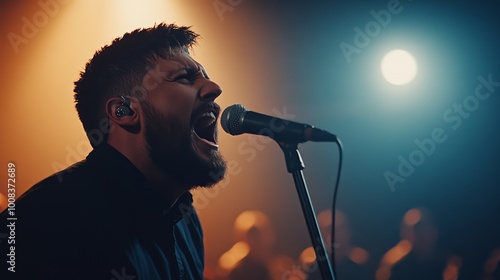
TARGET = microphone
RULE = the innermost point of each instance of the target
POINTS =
(236, 120)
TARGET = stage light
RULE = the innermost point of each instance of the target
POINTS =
(399, 67)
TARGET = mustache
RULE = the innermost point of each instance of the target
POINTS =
(210, 106)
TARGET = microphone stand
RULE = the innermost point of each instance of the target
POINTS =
(295, 165)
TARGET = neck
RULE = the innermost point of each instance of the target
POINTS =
(168, 186)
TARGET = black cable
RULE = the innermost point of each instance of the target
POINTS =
(335, 190)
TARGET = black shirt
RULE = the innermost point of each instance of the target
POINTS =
(101, 219)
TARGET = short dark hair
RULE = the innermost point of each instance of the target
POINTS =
(118, 68)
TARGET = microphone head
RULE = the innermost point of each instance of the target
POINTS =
(232, 119)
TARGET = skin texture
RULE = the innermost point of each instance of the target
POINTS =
(159, 138)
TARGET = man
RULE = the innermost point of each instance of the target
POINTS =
(125, 212)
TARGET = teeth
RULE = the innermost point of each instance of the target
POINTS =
(208, 114)
(208, 118)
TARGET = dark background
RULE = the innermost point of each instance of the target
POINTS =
(285, 54)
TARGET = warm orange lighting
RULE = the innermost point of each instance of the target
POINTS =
(412, 217)
(280, 266)
(308, 256)
(45, 134)
(139, 14)
(359, 255)
(383, 273)
(325, 218)
(249, 219)
(452, 267)
(396, 253)
(48, 134)
(3, 202)
(231, 258)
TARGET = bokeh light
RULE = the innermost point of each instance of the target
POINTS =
(399, 67)
(290, 63)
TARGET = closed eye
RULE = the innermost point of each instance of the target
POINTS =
(187, 77)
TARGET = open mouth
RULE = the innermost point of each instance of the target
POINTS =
(205, 127)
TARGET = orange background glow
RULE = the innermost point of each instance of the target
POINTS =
(283, 58)
(41, 130)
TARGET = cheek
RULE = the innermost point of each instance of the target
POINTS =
(173, 128)
(174, 101)
(170, 129)
(167, 134)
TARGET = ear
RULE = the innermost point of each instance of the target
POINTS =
(112, 107)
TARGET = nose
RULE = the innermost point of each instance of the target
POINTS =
(210, 91)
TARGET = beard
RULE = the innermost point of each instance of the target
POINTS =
(170, 147)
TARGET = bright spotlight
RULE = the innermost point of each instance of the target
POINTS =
(399, 67)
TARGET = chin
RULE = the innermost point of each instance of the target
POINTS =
(192, 157)
(212, 172)
(193, 168)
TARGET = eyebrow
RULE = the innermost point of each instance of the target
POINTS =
(189, 69)
(169, 74)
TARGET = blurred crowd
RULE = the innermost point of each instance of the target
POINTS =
(416, 256)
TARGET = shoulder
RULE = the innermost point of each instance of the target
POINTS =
(59, 189)
(60, 198)
(47, 220)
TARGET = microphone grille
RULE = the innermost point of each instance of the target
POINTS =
(232, 119)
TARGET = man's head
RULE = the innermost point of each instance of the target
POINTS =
(171, 97)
